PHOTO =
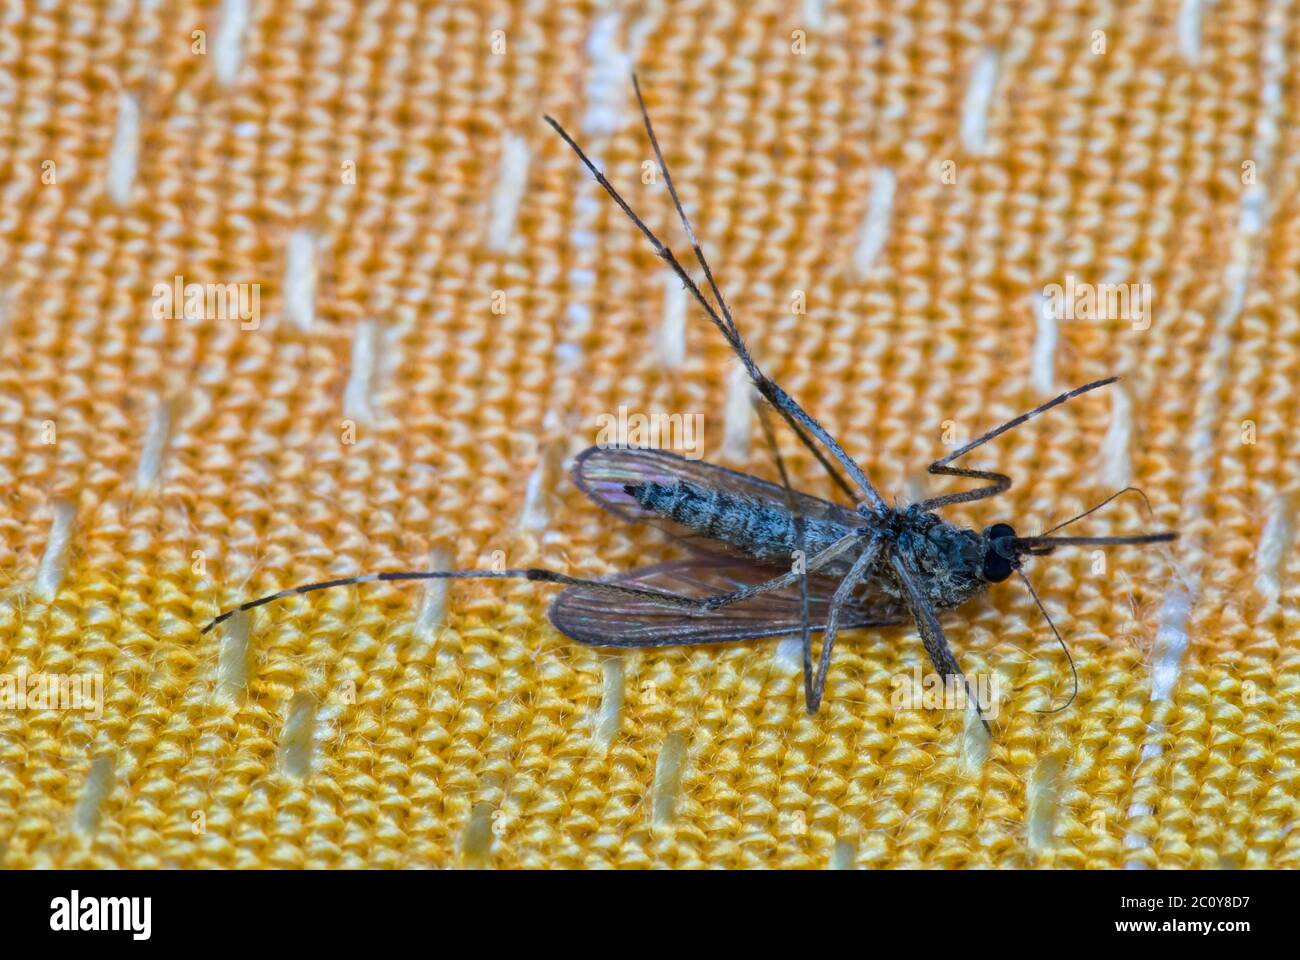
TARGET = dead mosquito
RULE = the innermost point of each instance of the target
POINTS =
(863, 566)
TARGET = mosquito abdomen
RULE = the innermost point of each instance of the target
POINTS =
(751, 526)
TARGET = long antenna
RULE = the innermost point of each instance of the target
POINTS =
(1092, 510)
(1035, 544)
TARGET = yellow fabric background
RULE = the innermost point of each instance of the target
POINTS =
(482, 741)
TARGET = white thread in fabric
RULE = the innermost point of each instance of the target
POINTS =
(737, 415)
(156, 438)
(814, 14)
(1166, 665)
(54, 561)
(975, 108)
(433, 607)
(607, 83)
(228, 43)
(300, 279)
(604, 114)
(1138, 811)
(540, 493)
(672, 333)
(476, 841)
(232, 661)
(1273, 70)
(788, 655)
(124, 154)
(1274, 546)
(609, 718)
(841, 856)
(90, 805)
(356, 394)
(1042, 359)
(298, 738)
(668, 780)
(1189, 29)
(874, 233)
(975, 741)
(512, 179)
(534, 515)
(1171, 643)
(1043, 795)
(1116, 446)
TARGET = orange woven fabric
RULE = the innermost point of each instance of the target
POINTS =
(446, 306)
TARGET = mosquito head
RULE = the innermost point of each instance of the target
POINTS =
(1002, 552)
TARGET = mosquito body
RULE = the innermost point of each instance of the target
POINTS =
(761, 530)
(764, 560)
(955, 563)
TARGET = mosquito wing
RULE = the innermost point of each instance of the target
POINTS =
(600, 618)
(603, 473)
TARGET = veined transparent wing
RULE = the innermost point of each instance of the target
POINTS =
(599, 618)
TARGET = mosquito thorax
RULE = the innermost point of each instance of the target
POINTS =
(1000, 553)
(922, 531)
(907, 520)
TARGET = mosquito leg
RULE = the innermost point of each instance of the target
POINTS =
(857, 573)
(550, 576)
(681, 212)
(805, 627)
(999, 482)
(821, 458)
(705, 604)
(717, 601)
(718, 294)
(784, 403)
(810, 565)
(936, 645)
(524, 573)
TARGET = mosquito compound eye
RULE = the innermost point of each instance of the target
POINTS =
(996, 566)
(1000, 531)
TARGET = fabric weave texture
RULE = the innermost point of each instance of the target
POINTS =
(447, 305)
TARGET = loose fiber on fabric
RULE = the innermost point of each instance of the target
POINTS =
(447, 304)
